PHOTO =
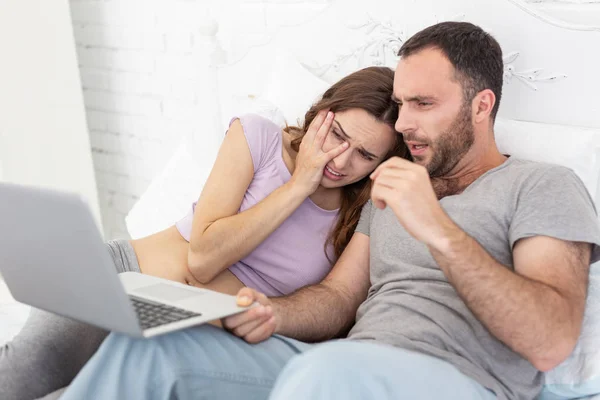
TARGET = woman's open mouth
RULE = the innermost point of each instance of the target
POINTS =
(332, 174)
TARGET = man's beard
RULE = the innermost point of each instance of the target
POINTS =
(450, 147)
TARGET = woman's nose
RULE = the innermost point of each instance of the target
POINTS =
(341, 161)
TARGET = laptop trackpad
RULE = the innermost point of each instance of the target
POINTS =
(166, 292)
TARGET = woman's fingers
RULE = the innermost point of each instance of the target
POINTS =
(311, 158)
(333, 153)
(323, 131)
(314, 127)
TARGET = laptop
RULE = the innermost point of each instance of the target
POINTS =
(52, 257)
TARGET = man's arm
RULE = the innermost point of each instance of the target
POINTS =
(537, 310)
(313, 313)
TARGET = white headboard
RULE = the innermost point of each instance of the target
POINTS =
(551, 68)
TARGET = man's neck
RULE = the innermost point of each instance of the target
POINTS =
(471, 167)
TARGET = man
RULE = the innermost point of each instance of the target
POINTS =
(466, 277)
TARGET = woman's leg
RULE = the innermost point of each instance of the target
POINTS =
(46, 355)
(50, 349)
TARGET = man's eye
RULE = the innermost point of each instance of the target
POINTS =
(424, 104)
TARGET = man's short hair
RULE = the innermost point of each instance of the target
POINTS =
(474, 53)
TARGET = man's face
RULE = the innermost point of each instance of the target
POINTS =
(434, 119)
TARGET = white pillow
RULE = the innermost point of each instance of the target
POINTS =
(579, 375)
(169, 195)
(573, 147)
(578, 149)
(293, 88)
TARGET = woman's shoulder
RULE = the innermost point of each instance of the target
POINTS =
(264, 137)
(257, 125)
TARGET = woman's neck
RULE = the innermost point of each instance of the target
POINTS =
(327, 199)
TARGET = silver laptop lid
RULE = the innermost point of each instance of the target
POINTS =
(53, 257)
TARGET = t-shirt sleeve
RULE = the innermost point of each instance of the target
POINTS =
(554, 202)
(262, 136)
(364, 223)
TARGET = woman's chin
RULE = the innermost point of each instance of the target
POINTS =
(334, 184)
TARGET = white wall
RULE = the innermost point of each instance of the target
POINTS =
(585, 12)
(135, 58)
(43, 134)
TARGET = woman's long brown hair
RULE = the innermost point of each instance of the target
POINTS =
(369, 89)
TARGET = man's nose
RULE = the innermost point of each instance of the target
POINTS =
(405, 122)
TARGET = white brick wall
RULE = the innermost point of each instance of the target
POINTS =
(136, 65)
(131, 54)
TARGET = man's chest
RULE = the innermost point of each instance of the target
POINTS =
(394, 251)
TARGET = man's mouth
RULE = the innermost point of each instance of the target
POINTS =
(417, 148)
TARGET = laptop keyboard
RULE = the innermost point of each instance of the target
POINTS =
(152, 314)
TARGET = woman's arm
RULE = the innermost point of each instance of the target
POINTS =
(220, 235)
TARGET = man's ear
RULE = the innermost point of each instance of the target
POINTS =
(483, 104)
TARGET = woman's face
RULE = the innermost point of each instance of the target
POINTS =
(368, 142)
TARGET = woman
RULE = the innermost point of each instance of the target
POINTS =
(242, 232)
(277, 209)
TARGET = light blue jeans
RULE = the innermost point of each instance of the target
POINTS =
(208, 363)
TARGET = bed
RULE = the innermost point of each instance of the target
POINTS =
(549, 110)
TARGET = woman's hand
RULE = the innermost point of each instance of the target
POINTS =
(311, 159)
(256, 324)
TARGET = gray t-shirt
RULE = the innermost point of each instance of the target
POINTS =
(412, 305)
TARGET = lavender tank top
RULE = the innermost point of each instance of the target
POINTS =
(293, 256)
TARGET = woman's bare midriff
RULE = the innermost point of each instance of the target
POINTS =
(165, 255)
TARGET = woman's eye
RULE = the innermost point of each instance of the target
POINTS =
(366, 156)
(337, 135)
